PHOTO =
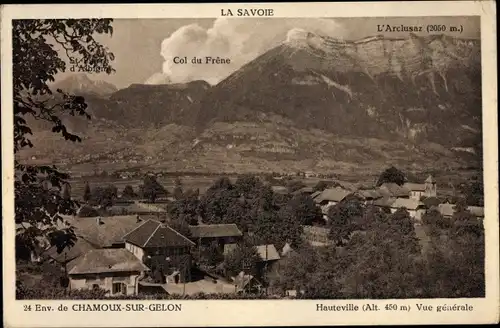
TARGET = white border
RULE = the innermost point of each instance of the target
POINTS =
(261, 312)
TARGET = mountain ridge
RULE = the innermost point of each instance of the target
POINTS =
(422, 97)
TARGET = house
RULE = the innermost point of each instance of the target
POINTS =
(268, 253)
(205, 234)
(447, 210)
(419, 190)
(414, 207)
(309, 174)
(106, 231)
(269, 258)
(116, 270)
(245, 283)
(304, 191)
(155, 242)
(315, 194)
(477, 211)
(369, 196)
(330, 197)
(394, 190)
(70, 252)
(279, 190)
(384, 203)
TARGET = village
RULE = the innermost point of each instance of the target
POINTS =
(135, 247)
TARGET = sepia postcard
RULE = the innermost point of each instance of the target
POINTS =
(240, 164)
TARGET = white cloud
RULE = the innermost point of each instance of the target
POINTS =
(239, 39)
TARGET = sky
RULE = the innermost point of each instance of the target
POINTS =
(144, 48)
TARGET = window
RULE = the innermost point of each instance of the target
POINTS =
(119, 288)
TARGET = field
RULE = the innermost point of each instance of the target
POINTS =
(188, 182)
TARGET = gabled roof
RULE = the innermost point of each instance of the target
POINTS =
(215, 230)
(369, 194)
(384, 202)
(106, 260)
(410, 204)
(333, 195)
(395, 190)
(272, 253)
(448, 209)
(304, 190)
(414, 186)
(269, 254)
(68, 254)
(155, 234)
(110, 231)
(315, 194)
(279, 189)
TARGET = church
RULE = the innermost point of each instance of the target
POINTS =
(418, 190)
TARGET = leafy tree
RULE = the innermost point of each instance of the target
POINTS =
(248, 186)
(178, 192)
(296, 269)
(104, 196)
(243, 258)
(473, 193)
(211, 255)
(35, 63)
(66, 192)
(464, 223)
(152, 189)
(391, 175)
(218, 200)
(181, 227)
(186, 209)
(304, 210)
(128, 192)
(345, 218)
(455, 259)
(87, 193)
(435, 221)
(294, 185)
(401, 230)
(374, 260)
(322, 185)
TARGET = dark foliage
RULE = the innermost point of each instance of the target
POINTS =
(152, 189)
(128, 192)
(391, 175)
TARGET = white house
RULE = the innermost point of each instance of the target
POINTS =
(414, 207)
(116, 270)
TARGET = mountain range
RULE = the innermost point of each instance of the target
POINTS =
(311, 103)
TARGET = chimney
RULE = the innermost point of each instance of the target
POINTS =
(98, 220)
(138, 218)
